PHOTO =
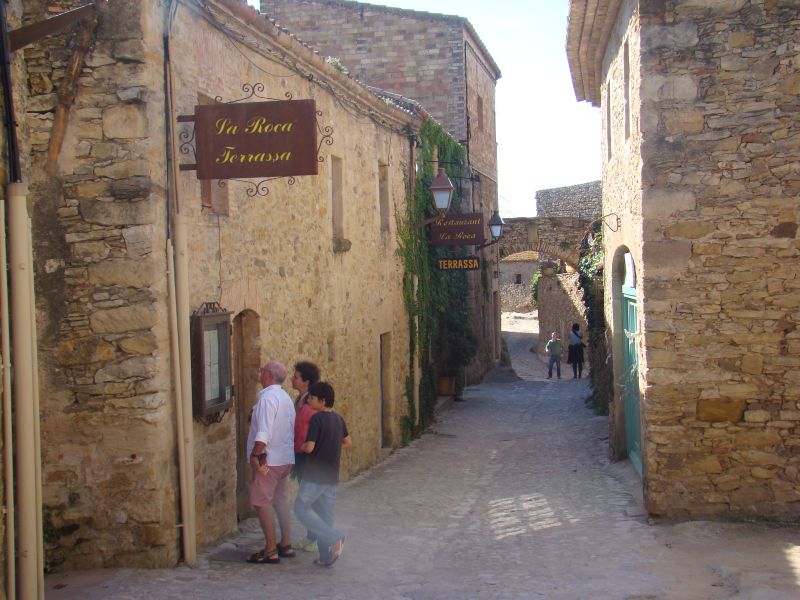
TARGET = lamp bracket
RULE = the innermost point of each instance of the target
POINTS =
(487, 244)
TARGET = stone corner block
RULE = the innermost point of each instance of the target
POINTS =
(125, 121)
(661, 202)
(123, 319)
(666, 256)
(717, 410)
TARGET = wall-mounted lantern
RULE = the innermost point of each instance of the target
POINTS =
(496, 224)
(442, 189)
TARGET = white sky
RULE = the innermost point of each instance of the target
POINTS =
(545, 137)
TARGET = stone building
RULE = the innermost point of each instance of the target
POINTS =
(583, 201)
(701, 125)
(516, 272)
(440, 61)
(268, 262)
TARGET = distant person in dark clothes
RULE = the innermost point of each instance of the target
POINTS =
(315, 505)
(305, 373)
(575, 351)
(554, 349)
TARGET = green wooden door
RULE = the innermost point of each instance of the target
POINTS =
(633, 433)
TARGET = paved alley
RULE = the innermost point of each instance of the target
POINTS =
(509, 496)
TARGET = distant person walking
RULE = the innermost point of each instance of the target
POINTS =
(270, 445)
(315, 504)
(575, 351)
(554, 348)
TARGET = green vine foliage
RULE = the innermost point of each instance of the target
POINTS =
(537, 277)
(590, 268)
(436, 301)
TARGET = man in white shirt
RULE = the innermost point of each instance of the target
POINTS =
(270, 445)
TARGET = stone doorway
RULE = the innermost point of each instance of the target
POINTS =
(246, 366)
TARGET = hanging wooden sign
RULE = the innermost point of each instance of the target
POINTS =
(458, 230)
(467, 263)
(256, 139)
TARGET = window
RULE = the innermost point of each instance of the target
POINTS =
(212, 391)
(518, 278)
(480, 113)
(383, 195)
(337, 204)
(626, 75)
(213, 196)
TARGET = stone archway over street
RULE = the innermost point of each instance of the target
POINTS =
(555, 237)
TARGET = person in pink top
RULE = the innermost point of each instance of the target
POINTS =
(305, 373)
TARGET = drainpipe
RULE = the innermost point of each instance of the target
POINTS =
(8, 434)
(180, 342)
(24, 416)
(176, 380)
(183, 316)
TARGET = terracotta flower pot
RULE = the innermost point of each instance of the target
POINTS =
(446, 386)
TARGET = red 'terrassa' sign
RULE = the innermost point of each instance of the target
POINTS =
(256, 139)
(458, 230)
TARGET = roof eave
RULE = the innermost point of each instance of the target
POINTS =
(589, 28)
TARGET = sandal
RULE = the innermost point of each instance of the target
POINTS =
(336, 549)
(286, 551)
(262, 557)
(336, 552)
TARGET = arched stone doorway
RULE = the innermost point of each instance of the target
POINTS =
(246, 365)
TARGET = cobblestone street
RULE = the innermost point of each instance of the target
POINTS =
(509, 496)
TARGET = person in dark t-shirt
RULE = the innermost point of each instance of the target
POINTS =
(315, 505)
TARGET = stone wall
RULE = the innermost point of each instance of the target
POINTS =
(516, 296)
(560, 305)
(107, 436)
(515, 236)
(716, 249)
(583, 200)
(100, 227)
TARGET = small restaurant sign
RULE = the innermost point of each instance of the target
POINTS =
(468, 263)
(256, 139)
(458, 230)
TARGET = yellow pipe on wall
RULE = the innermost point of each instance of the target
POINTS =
(8, 432)
(183, 317)
(23, 401)
(176, 377)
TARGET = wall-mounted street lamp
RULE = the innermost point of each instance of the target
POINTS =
(495, 230)
(442, 189)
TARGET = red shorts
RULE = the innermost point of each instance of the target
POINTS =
(269, 488)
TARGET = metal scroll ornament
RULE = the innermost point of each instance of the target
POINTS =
(252, 90)
(187, 143)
